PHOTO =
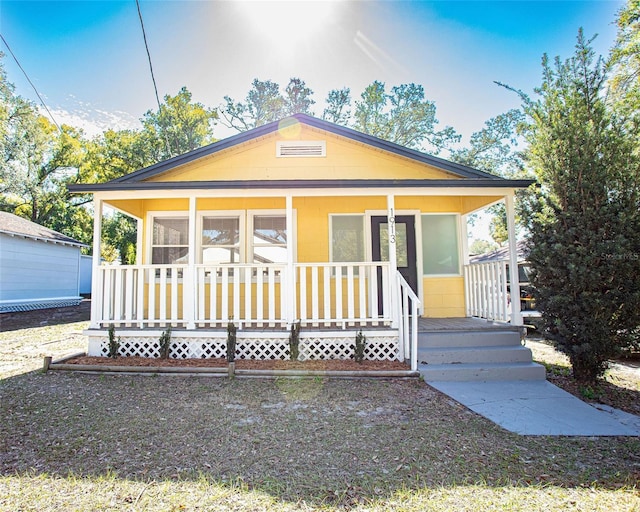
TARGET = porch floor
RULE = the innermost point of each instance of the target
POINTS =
(462, 324)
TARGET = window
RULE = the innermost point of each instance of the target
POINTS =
(221, 240)
(223, 237)
(269, 239)
(440, 254)
(347, 238)
(170, 241)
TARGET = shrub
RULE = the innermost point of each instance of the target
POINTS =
(114, 344)
(294, 341)
(165, 343)
(361, 341)
(231, 342)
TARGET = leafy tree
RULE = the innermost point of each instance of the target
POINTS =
(482, 247)
(584, 222)
(178, 126)
(114, 154)
(494, 149)
(625, 61)
(298, 97)
(403, 117)
(120, 234)
(498, 224)
(37, 161)
(263, 104)
(338, 109)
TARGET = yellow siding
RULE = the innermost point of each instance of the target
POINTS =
(473, 203)
(346, 159)
(429, 204)
(444, 297)
(313, 221)
(168, 204)
(133, 207)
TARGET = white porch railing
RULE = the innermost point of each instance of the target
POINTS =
(320, 294)
(486, 290)
(248, 294)
(342, 294)
(140, 295)
(408, 327)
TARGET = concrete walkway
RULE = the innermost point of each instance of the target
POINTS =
(539, 408)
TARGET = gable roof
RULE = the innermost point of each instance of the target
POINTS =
(137, 179)
(13, 225)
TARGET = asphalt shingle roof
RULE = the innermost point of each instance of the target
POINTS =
(17, 226)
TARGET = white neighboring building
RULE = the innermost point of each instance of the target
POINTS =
(39, 268)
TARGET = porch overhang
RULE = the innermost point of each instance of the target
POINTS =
(365, 187)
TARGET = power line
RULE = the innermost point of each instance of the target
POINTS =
(153, 78)
(31, 83)
(146, 45)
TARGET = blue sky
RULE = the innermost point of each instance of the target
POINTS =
(88, 60)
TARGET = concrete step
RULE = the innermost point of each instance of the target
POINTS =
(482, 372)
(472, 355)
(484, 338)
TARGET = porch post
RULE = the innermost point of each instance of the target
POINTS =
(189, 292)
(139, 234)
(514, 276)
(464, 239)
(290, 281)
(393, 261)
(96, 281)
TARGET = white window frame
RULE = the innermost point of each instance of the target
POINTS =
(151, 217)
(240, 214)
(458, 240)
(251, 214)
(245, 227)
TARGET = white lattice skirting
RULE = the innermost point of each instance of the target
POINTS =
(380, 345)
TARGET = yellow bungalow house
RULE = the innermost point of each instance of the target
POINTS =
(300, 221)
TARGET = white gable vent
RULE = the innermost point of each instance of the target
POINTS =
(300, 148)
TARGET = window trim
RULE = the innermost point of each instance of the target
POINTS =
(252, 214)
(151, 217)
(240, 214)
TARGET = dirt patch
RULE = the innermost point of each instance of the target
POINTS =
(245, 364)
(43, 317)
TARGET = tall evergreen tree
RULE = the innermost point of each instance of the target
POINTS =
(584, 221)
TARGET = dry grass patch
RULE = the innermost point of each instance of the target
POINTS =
(85, 442)
(310, 443)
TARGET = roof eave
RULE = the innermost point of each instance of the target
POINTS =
(43, 239)
(301, 184)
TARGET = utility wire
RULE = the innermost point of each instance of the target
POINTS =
(31, 83)
(153, 78)
(146, 45)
